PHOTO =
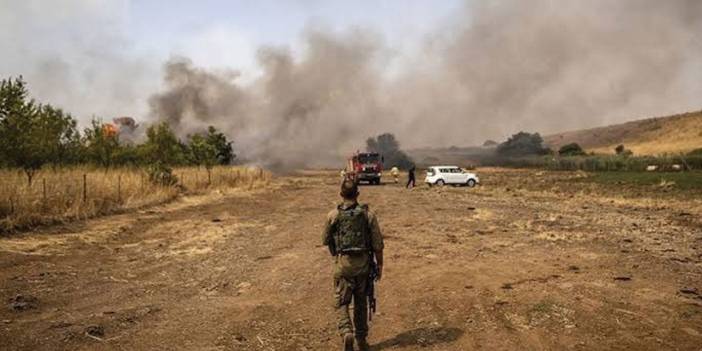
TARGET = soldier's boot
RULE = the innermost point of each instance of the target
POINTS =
(348, 342)
(362, 344)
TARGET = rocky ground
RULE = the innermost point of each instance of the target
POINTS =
(529, 261)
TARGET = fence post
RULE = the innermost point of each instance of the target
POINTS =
(119, 189)
(85, 187)
(43, 185)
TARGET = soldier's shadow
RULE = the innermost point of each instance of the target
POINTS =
(421, 337)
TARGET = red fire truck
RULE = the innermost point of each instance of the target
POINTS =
(365, 166)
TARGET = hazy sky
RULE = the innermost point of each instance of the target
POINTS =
(324, 75)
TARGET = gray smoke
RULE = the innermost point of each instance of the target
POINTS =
(306, 112)
(498, 67)
(550, 66)
(72, 55)
(490, 69)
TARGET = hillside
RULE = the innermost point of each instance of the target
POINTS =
(673, 134)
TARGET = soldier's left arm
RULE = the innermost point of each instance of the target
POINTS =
(327, 231)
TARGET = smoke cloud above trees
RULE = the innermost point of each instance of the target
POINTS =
(499, 67)
(489, 70)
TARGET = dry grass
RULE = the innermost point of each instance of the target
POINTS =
(675, 134)
(60, 195)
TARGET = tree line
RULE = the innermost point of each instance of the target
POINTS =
(35, 135)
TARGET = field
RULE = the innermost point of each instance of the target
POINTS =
(66, 194)
(530, 260)
(683, 183)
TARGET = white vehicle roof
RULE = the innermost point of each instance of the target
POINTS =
(444, 167)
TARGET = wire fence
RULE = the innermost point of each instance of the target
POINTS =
(66, 194)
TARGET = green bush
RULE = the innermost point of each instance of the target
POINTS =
(572, 149)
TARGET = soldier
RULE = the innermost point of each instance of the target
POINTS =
(353, 236)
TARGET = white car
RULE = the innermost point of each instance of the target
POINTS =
(440, 175)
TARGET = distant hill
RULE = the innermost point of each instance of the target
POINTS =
(678, 133)
(652, 136)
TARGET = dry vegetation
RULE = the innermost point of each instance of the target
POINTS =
(75, 193)
(674, 134)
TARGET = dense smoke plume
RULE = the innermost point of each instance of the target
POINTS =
(490, 69)
(498, 67)
(304, 113)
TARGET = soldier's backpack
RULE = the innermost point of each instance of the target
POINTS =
(352, 230)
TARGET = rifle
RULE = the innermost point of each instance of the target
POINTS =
(370, 287)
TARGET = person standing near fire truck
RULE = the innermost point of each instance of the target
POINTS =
(410, 181)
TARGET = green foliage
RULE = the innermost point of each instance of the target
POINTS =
(522, 144)
(387, 146)
(59, 136)
(621, 150)
(696, 152)
(223, 147)
(202, 153)
(101, 146)
(33, 135)
(128, 155)
(163, 147)
(210, 149)
(572, 149)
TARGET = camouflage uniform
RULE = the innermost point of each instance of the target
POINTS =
(351, 276)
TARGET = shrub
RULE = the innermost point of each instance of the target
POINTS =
(522, 144)
(572, 149)
(389, 148)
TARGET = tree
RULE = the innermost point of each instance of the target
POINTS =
(58, 136)
(203, 153)
(210, 149)
(621, 150)
(101, 144)
(490, 143)
(386, 145)
(162, 146)
(20, 132)
(522, 144)
(572, 149)
(223, 147)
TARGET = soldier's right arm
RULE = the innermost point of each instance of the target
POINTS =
(328, 230)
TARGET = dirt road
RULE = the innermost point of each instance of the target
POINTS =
(517, 264)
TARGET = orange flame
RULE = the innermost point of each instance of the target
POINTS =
(109, 130)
